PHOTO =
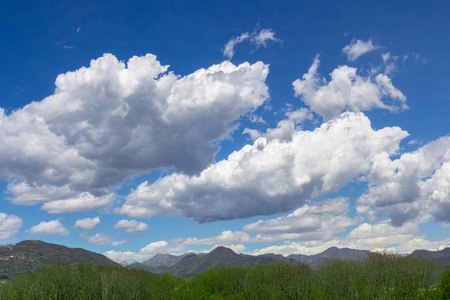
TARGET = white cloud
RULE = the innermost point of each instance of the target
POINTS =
(356, 48)
(228, 50)
(49, 228)
(438, 192)
(101, 239)
(270, 176)
(381, 236)
(413, 186)
(227, 238)
(132, 226)
(263, 36)
(144, 253)
(9, 226)
(285, 128)
(130, 256)
(318, 221)
(305, 248)
(87, 224)
(82, 202)
(346, 91)
(258, 39)
(111, 121)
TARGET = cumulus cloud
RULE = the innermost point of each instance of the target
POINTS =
(356, 48)
(381, 236)
(269, 176)
(318, 221)
(132, 226)
(101, 239)
(87, 224)
(111, 121)
(347, 91)
(9, 226)
(257, 38)
(285, 128)
(49, 228)
(416, 185)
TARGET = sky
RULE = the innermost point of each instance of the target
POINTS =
(132, 128)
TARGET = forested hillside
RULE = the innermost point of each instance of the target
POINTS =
(26, 256)
(378, 276)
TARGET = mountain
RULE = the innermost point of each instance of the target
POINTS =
(333, 252)
(190, 264)
(441, 256)
(280, 257)
(194, 264)
(163, 260)
(26, 256)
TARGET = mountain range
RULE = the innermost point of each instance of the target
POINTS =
(26, 256)
(442, 256)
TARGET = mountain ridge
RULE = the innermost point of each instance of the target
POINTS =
(24, 257)
(439, 256)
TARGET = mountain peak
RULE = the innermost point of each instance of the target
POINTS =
(223, 251)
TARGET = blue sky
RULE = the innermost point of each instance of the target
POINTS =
(132, 129)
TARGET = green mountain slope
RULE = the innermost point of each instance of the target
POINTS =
(441, 256)
(26, 256)
(194, 264)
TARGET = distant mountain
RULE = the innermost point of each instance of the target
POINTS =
(163, 260)
(190, 264)
(26, 256)
(441, 256)
(154, 269)
(193, 264)
(280, 257)
(333, 252)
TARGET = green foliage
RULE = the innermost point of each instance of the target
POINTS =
(444, 285)
(379, 276)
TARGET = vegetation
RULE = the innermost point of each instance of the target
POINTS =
(378, 276)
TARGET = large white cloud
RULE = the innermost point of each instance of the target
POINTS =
(112, 121)
(53, 227)
(347, 91)
(9, 226)
(416, 185)
(269, 176)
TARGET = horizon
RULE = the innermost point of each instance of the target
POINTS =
(132, 129)
(238, 253)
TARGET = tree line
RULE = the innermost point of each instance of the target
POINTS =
(378, 276)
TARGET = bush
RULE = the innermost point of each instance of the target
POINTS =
(444, 285)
